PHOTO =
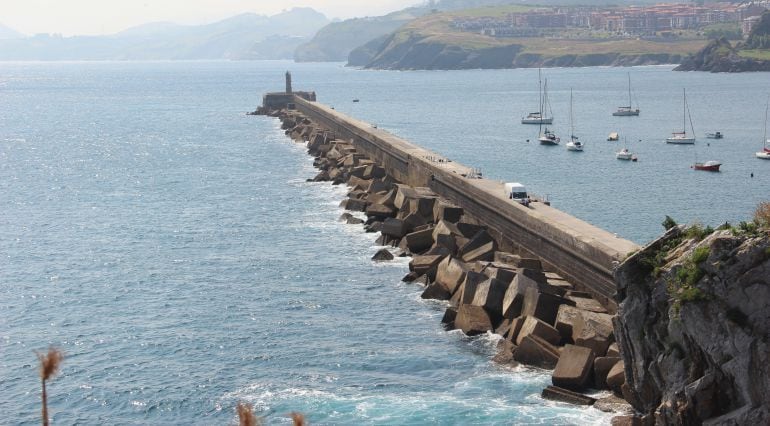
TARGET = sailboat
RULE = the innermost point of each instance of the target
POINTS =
(540, 116)
(574, 143)
(681, 137)
(627, 111)
(625, 154)
(765, 153)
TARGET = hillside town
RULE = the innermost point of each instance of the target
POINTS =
(630, 21)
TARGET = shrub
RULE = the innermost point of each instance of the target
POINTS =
(669, 223)
(762, 215)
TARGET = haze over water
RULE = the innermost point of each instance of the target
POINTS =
(171, 246)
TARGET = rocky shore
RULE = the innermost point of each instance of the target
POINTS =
(543, 321)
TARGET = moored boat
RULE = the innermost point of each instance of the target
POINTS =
(627, 111)
(625, 154)
(709, 166)
(548, 137)
(574, 143)
(540, 116)
(682, 138)
(613, 137)
(715, 135)
(765, 153)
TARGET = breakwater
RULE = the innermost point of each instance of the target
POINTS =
(582, 253)
(424, 206)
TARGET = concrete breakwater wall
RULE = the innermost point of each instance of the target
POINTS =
(541, 318)
(584, 254)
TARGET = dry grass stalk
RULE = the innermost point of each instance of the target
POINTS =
(762, 214)
(49, 366)
(246, 415)
(298, 419)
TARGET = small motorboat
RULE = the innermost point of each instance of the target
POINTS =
(625, 154)
(709, 166)
(715, 135)
(356, 101)
(548, 138)
(613, 137)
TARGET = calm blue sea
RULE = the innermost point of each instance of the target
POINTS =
(171, 247)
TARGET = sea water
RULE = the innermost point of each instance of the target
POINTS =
(171, 247)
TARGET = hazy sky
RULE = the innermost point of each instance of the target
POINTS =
(70, 17)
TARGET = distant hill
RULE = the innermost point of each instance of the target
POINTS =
(246, 36)
(334, 42)
(721, 56)
(9, 33)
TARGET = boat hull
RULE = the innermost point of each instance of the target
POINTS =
(763, 155)
(707, 167)
(537, 120)
(681, 141)
(632, 113)
(544, 141)
(573, 147)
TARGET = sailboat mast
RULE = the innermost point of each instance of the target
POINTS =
(571, 118)
(629, 91)
(764, 138)
(540, 92)
(684, 111)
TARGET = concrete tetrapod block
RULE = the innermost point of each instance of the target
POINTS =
(380, 211)
(413, 221)
(590, 305)
(436, 291)
(404, 193)
(469, 230)
(593, 330)
(534, 326)
(472, 320)
(450, 273)
(424, 264)
(382, 255)
(378, 185)
(489, 295)
(385, 199)
(447, 242)
(505, 350)
(481, 247)
(449, 317)
(445, 228)
(556, 393)
(423, 207)
(616, 378)
(541, 305)
(602, 367)
(393, 228)
(446, 211)
(536, 351)
(515, 329)
(467, 289)
(514, 296)
(565, 320)
(419, 241)
(574, 368)
(613, 350)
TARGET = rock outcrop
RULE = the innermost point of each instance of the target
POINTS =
(693, 328)
(720, 56)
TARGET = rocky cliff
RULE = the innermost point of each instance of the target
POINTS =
(720, 56)
(693, 327)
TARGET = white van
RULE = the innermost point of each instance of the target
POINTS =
(517, 192)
